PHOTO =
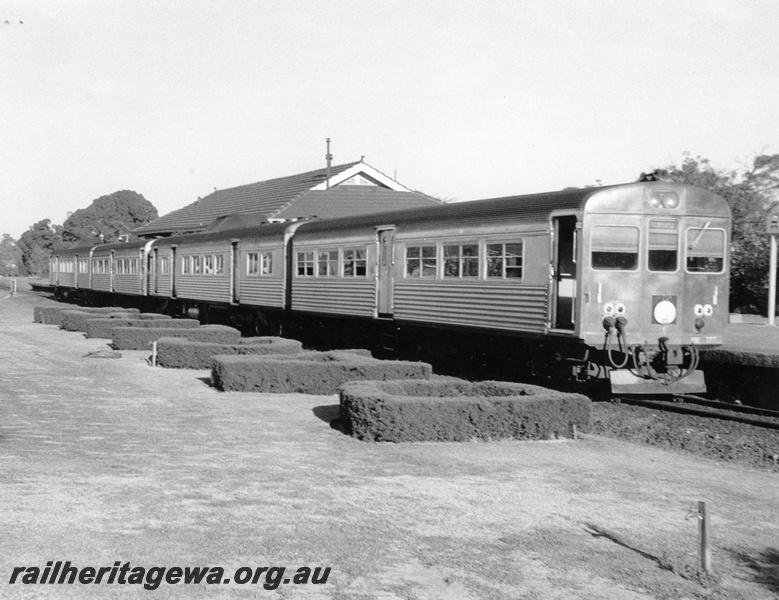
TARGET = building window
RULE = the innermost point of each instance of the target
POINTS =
(355, 263)
(305, 264)
(614, 247)
(421, 261)
(461, 260)
(327, 263)
(504, 261)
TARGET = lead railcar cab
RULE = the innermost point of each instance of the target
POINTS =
(624, 283)
(651, 283)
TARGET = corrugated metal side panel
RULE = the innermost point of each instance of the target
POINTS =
(83, 280)
(262, 291)
(206, 288)
(101, 282)
(505, 307)
(67, 279)
(335, 296)
(163, 286)
(127, 284)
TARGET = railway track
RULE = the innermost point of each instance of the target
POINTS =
(693, 405)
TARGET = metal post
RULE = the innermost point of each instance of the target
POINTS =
(704, 541)
(13, 286)
(772, 283)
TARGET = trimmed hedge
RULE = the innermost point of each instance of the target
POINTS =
(443, 411)
(178, 353)
(52, 315)
(141, 338)
(138, 316)
(103, 328)
(76, 320)
(308, 372)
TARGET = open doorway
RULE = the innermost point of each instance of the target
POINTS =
(564, 262)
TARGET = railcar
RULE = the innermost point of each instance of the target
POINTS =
(625, 283)
(235, 275)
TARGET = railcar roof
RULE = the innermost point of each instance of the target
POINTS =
(266, 229)
(529, 206)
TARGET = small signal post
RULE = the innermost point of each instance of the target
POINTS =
(772, 229)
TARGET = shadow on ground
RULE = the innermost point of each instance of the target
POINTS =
(763, 565)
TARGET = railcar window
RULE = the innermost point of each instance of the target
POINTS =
(705, 250)
(266, 263)
(208, 264)
(197, 264)
(663, 247)
(259, 263)
(219, 264)
(253, 263)
(186, 265)
(327, 263)
(614, 247)
(421, 261)
(164, 264)
(461, 260)
(355, 263)
(305, 264)
(504, 260)
(133, 266)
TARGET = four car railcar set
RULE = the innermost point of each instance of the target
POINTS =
(625, 283)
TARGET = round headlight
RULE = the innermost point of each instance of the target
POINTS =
(655, 201)
(665, 312)
(608, 308)
(698, 310)
(708, 310)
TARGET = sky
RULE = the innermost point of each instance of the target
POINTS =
(458, 99)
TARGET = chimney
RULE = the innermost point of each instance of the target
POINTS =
(329, 159)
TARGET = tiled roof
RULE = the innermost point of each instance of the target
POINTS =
(350, 200)
(264, 197)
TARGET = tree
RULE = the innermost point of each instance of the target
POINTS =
(36, 244)
(109, 216)
(751, 193)
(10, 256)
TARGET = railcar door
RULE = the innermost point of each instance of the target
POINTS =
(563, 300)
(385, 259)
(173, 270)
(235, 271)
(113, 271)
(153, 280)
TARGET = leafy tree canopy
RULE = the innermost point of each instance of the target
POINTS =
(752, 192)
(36, 244)
(10, 256)
(109, 216)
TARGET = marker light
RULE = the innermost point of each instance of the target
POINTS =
(708, 310)
(665, 312)
(664, 199)
(698, 310)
